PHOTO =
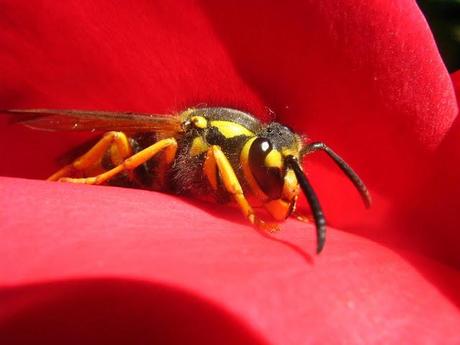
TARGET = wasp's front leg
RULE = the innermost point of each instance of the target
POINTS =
(216, 160)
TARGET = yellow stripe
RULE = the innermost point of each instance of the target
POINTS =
(231, 129)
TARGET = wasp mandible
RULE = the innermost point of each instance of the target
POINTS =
(219, 152)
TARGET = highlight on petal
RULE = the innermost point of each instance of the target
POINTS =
(437, 205)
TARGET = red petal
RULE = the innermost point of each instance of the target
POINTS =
(365, 78)
(93, 245)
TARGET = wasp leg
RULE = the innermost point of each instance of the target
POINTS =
(122, 149)
(168, 146)
(216, 160)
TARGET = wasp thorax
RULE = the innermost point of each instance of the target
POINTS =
(266, 166)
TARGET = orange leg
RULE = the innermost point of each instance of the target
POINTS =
(216, 158)
(168, 146)
(116, 142)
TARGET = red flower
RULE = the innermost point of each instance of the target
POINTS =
(98, 264)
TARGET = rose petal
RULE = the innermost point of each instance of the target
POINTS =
(356, 291)
(365, 78)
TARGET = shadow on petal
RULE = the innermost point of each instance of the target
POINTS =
(114, 311)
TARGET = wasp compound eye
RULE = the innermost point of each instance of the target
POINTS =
(269, 178)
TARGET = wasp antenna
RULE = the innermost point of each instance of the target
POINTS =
(313, 201)
(354, 178)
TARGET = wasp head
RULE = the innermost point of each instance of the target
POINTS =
(273, 182)
(271, 164)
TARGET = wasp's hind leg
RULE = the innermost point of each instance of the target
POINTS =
(116, 143)
(216, 160)
(168, 146)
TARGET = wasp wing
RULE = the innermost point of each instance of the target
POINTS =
(81, 120)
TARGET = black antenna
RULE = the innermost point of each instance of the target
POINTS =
(313, 201)
(354, 178)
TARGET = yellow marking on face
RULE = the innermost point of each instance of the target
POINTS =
(231, 129)
(198, 146)
(244, 160)
(291, 187)
(281, 208)
(274, 160)
(199, 121)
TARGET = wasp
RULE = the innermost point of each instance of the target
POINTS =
(217, 153)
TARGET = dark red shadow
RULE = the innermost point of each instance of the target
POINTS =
(114, 311)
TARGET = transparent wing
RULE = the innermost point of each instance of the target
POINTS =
(81, 120)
